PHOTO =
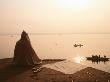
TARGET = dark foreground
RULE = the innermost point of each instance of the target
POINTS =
(25, 74)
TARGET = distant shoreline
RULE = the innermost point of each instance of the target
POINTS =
(6, 34)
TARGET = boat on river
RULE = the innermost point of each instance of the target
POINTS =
(97, 58)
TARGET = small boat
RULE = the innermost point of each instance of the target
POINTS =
(97, 58)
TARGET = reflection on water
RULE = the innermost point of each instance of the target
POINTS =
(98, 61)
(61, 46)
(104, 66)
(79, 59)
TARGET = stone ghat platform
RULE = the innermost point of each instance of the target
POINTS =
(25, 74)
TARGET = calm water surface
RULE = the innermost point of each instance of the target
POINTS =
(61, 46)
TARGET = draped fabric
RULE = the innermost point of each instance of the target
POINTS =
(24, 54)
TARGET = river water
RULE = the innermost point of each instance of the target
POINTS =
(62, 46)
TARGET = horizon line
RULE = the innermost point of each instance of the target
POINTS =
(65, 33)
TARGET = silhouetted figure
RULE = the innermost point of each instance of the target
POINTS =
(24, 36)
(104, 56)
(99, 56)
(24, 54)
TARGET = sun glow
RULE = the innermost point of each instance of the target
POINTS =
(79, 59)
(73, 4)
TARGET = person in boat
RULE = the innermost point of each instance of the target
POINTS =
(99, 56)
(104, 56)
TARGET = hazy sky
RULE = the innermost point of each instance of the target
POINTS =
(54, 16)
